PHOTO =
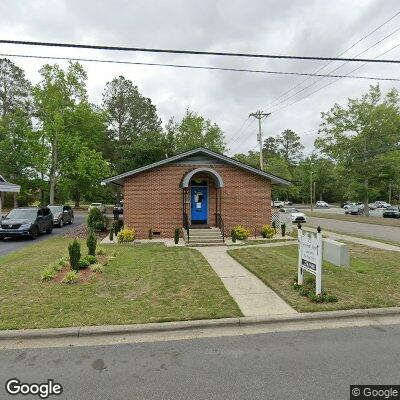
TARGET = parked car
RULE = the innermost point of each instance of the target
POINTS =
(288, 203)
(322, 204)
(354, 209)
(26, 222)
(277, 203)
(62, 215)
(100, 206)
(391, 212)
(119, 208)
(296, 215)
(378, 205)
(343, 204)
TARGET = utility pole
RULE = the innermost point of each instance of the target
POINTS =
(311, 191)
(260, 115)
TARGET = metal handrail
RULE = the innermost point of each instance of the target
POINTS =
(220, 225)
(186, 225)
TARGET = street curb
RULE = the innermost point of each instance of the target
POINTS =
(198, 325)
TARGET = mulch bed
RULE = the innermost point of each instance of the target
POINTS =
(81, 232)
(84, 275)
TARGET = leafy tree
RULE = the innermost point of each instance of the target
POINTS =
(361, 136)
(289, 146)
(56, 96)
(195, 131)
(132, 120)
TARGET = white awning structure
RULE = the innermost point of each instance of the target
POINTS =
(7, 187)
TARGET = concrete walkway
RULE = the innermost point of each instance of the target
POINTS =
(365, 242)
(252, 296)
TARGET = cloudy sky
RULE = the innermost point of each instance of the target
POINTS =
(292, 27)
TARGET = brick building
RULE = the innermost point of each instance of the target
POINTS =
(198, 188)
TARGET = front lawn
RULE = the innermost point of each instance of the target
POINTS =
(143, 283)
(373, 279)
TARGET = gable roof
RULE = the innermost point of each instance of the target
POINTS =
(118, 179)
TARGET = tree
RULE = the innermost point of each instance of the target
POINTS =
(132, 118)
(289, 146)
(55, 96)
(195, 131)
(361, 136)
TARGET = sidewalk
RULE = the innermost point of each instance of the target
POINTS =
(252, 296)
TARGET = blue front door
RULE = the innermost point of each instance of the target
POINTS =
(199, 205)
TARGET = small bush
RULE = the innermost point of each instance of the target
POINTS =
(74, 250)
(126, 235)
(283, 230)
(118, 225)
(83, 263)
(91, 243)
(97, 268)
(233, 236)
(274, 226)
(267, 231)
(112, 233)
(71, 277)
(150, 233)
(177, 234)
(308, 290)
(96, 220)
(90, 259)
(62, 261)
(47, 274)
(241, 232)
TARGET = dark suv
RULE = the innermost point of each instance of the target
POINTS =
(62, 215)
(26, 222)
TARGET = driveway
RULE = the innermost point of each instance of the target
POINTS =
(381, 232)
(9, 245)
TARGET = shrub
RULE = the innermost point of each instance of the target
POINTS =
(112, 233)
(233, 236)
(126, 235)
(267, 231)
(91, 243)
(241, 232)
(97, 268)
(150, 233)
(71, 277)
(274, 226)
(283, 229)
(83, 263)
(74, 250)
(90, 259)
(47, 274)
(118, 225)
(177, 234)
(96, 220)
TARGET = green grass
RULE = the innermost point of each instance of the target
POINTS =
(356, 218)
(146, 283)
(248, 242)
(373, 279)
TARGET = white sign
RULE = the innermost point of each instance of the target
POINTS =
(310, 257)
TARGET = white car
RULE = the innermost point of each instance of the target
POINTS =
(296, 215)
(100, 206)
(322, 204)
(277, 203)
(378, 204)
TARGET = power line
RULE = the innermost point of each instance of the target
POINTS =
(335, 69)
(330, 83)
(238, 131)
(192, 52)
(340, 54)
(203, 67)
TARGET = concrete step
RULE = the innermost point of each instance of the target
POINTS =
(198, 240)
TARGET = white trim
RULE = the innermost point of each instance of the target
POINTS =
(119, 179)
(219, 183)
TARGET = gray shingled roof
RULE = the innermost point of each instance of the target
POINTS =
(119, 179)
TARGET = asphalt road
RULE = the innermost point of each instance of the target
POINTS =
(358, 228)
(11, 244)
(319, 364)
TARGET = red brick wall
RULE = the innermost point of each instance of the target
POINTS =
(153, 199)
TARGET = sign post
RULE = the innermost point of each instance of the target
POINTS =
(310, 256)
